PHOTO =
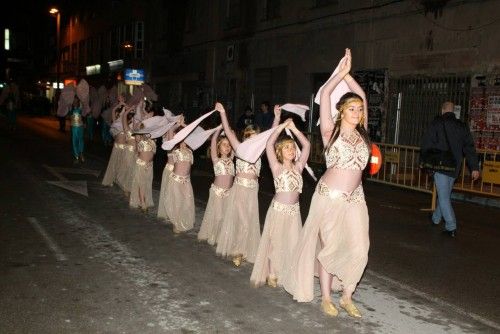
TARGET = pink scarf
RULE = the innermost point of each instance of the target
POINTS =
(182, 134)
(335, 96)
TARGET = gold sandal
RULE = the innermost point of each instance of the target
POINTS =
(329, 309)
(350, 308)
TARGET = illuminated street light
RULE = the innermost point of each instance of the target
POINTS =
(55, 12)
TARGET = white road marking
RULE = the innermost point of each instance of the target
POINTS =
(170, 313)
(55, 173)
(79, 187)
(81, 171)
(48, 240)
(438, 301)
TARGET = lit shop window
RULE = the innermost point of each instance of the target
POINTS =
(6, 39)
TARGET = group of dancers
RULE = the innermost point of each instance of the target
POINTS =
(333, 243)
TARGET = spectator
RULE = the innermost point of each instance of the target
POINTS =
(264, 119)
(246, 119)
(446, 133)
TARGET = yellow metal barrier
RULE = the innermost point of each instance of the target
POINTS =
(400, 168)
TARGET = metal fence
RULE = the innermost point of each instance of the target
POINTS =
(400, 168)
(415, 101)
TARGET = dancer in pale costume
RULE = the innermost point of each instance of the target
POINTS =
(240, 229)
(179, 196)
(116, 157)
(141, 192)
(338, 216)
(129, 155)
(283, 222)
(222, 158)
(169, 168)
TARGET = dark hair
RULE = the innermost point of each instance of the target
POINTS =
(266, 103)
(360, 127)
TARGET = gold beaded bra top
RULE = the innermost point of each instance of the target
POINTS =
(224, 166)
(287, 181)
(146, 145)
(183, 154)
(349, 151)
(247, 168)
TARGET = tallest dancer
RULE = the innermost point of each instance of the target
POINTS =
(338, 216)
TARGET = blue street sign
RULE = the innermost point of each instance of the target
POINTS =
(134, 76)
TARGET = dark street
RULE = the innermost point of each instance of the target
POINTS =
(82, 264)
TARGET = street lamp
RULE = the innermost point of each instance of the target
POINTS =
(55, 12)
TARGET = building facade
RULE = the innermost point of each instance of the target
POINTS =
(414, 54)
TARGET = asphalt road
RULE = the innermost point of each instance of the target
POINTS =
(71, 263)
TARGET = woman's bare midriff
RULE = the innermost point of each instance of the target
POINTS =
(345, 180)
(287, 197)
(146, 156)
(182, 168)
(120, 138)
(224, 181)
(247, 176)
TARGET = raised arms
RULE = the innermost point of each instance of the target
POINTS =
(327, 124)
(304, 143)
(356, 88)
(213, 146)
(274, 164)
(233, 140)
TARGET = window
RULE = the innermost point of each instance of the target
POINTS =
(139, 40)
(191, 16)
(6, 39)
(272, 9)
(322, 3)
(233, 14)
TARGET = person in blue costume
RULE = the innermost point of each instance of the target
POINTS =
(77, 130)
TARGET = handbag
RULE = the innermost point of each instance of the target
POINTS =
(436, 160)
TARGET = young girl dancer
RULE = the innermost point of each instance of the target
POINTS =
(222, 158)
(115, 160)
(169, 168)
(141, 193)
(338, 214)
(283, 222)
(179, 196)
(129, 155)
(240, 229)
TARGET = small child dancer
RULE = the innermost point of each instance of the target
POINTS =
(222, 158)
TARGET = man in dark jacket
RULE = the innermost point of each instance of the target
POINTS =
(461, 144)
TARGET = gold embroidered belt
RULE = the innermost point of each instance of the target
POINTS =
(142, 163)
(131, 148)
(220, 192)
(357, 196)
(289, 209)
(179, 179)
(247, 183)
(170, 167)
(120, 146)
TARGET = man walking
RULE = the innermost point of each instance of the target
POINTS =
(447, 133)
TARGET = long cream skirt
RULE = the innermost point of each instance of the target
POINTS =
(335, 234)
(214, 214)
(126, 170)
(279, 238)
(142, 180)
(115, 160)
(240, 229)
(162, 204)
(180, 204)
